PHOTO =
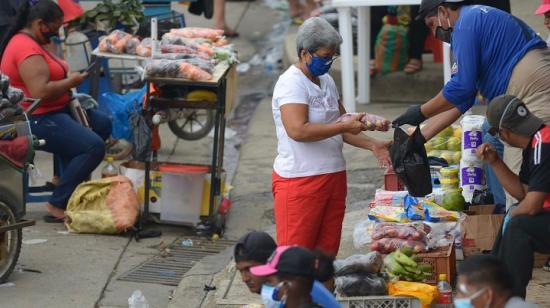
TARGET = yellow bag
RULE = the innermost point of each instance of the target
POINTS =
(106, 206)
(424, 292)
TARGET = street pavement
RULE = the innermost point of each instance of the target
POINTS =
(71, 270)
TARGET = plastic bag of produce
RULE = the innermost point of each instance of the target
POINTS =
(372, 121)
(362, 233)
(388, 245)
(114, 42)
(424, 292)
(131, 46)
(370, 263)
(403, 231)
(410, 162)
(196, 32)
(144, 48)
(170, 48)
(388, 213)
(198, 46)
(175, 69)
(361, 285)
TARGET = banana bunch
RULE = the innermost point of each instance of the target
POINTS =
(403, 265)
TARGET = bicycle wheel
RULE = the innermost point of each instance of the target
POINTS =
(10, 241)
(196, 124)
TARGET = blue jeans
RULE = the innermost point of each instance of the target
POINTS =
(493, 184)
(80, 148)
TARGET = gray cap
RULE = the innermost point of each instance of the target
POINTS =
(426, 6)
(508, 111)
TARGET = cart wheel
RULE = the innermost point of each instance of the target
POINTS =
(196, 124)
(10, 241)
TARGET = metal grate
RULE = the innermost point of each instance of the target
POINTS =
(169, 269)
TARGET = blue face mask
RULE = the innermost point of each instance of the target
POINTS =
(467, 302)
(319, 65)
(269, 297)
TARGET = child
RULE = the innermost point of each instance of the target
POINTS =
(544, 8)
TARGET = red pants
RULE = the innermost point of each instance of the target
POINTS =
(309, 210)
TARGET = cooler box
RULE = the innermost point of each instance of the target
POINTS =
(182, 192)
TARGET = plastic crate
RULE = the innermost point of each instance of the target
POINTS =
(443, 261)
(379, 302)
(392, 182)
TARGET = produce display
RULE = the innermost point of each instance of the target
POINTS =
(175, 69)
(116, 42)
(360, 275)
(446, 145)
(372, 121)
(388, 237)
(402, 264)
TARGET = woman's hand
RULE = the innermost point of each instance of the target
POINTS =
(380, 149)
(76, 78)
(354, 124)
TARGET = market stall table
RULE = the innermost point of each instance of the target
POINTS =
(218, 84)
(363, 42)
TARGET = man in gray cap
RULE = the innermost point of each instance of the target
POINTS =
(525, 229)
(494, 53)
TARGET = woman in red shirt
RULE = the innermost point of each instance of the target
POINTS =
(41, 74)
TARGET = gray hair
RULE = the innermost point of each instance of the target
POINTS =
(316, 33)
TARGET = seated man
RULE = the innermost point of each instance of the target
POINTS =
(525, 228)
(255, 248)
(482, 282)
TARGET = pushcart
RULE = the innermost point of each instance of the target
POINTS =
(16, 155)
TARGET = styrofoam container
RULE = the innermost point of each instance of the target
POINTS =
(182, 187)
(472, 136)
(472, 177)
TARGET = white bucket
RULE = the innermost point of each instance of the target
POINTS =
(472, 136)
(472, 177)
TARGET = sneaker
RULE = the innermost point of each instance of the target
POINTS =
(546, 265)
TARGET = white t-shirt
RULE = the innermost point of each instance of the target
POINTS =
(298, 159)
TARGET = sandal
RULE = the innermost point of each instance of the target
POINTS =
(413, 66)
(53, 220)
(546, 265)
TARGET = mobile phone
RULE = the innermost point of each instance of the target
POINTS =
(89, 68)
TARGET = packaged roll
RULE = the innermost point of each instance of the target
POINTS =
(472, 177)
(472, 136)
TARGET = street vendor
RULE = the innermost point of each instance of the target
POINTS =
(309, 172)
(525, 229)
(43, 75)
(494, 53)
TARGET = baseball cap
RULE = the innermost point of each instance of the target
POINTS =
(426, 6)
(543, 7)
(288, 260)
(508, 111)
(254, 246)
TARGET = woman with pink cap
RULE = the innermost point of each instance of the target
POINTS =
(544, 9)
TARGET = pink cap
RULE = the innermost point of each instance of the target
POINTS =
(543, 7)
(270, 267)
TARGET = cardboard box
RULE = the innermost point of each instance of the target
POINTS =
(479, 229)
(443, 261)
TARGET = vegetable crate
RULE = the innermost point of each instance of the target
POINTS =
(443, 261)
(379, 302)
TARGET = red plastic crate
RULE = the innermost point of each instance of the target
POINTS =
(392, 182)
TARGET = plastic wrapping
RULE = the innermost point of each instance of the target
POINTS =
(372, 121)
(175, 69)
(196, 32)
(131, 46)
(144, 48)
(401, 231)
(370, 263)
(436, 213)
(171, 48)
(115, 42)
(361, 285)
(388, 245)
(391, 198)
(199, 46)
(388, 214)
(205, 65)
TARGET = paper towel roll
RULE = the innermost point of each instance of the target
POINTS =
(472, 136)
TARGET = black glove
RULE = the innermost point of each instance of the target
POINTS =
(413, 116)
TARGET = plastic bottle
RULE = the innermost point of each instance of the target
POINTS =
(109, 169)
(445, 299)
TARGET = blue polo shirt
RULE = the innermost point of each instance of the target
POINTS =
(487, 43)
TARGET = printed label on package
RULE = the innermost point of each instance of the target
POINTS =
(472, 139)
(472, 176)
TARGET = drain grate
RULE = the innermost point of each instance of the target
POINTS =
(169, 270)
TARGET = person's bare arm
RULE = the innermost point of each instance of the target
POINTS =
(531, 204)
(35, 74)
(509, 180)
(295, 119)
(440, 122)
(436, 105)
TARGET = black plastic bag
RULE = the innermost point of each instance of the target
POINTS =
(370, 263)
(361, 285)
(410, 162)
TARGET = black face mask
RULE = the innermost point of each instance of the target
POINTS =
(48, 35)
(443, 34)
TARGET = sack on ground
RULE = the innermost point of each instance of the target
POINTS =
(391, 47)
(106, 206)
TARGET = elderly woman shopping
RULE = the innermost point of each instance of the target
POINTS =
(309, 177)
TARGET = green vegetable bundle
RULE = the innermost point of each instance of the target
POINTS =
(403, 265)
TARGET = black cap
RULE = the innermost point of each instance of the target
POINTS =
(508, 111)
(254, 246)
(426, 6)
(297, 261)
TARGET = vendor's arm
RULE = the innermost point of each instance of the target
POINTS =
(35, 74)
(296, 122)
(440, 122)
(509, 180)
(531, 204)
(436, 106)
